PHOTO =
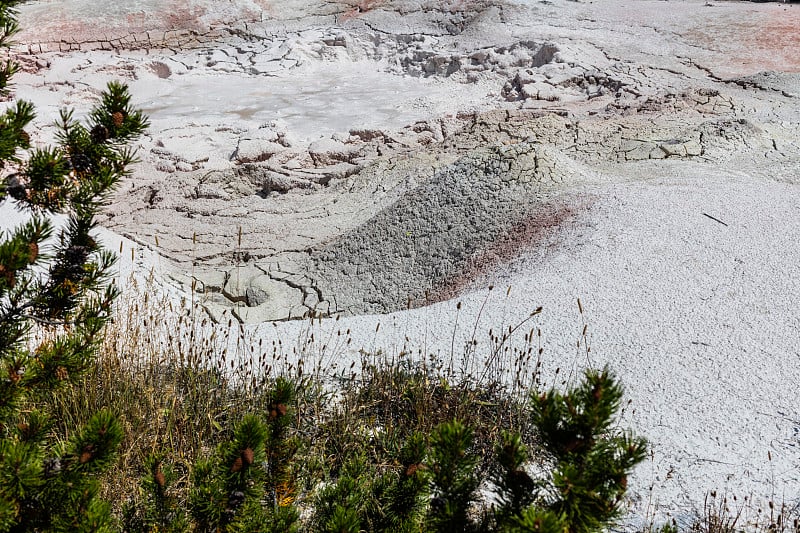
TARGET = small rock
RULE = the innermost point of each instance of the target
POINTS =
(530, 90)
(693, 148)
(160, 69)
(268, 300)
(326, 152)
(210, 282)
(366, 134)
(548, 93)
(255, 296)
(311, 300)
(674, 148)
(211, 191)
(255, 150)
(274, 182)
(165, 166)
(322, 308)
(337, 171)
(238, 280)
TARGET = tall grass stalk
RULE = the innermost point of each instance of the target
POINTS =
(177, 381)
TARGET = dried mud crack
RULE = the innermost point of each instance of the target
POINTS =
(358, 157)
(380, 155)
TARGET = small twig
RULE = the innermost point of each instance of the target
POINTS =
(715, 219)
(47, 322)
(16, 311)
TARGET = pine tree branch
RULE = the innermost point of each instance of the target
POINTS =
(47, 322)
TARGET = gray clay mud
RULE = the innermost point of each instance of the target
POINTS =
(325, 158)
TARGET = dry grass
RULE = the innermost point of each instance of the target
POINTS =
(722, 514)
(177, 384)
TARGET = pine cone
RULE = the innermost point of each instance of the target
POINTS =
(99, 134)
(597, 392)
(247, 456)
(80, 162)
(33, 248)
(158, 477)
(8, 275)
(277, 411)
(86, 454)
(118, 119)
(25, 138)
(237, 465)
(413, 469)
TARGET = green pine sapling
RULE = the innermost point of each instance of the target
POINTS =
(363, 498)
(454, 478)
(158, 508)
(591, 459)
(403, 501)
(62, 291)
(248, 485)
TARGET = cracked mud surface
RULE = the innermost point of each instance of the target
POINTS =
(326, 158)
(343, 158)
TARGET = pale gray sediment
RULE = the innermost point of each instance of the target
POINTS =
(340, 158)
(402, 255)
(372, 155)
(438, 217)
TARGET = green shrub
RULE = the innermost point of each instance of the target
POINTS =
(590, 461)
(402, 450)
(54, 306)
(588, 467)
(454, 478)
(365, 497)
(247, 484)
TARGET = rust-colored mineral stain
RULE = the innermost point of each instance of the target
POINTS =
(781, 39)
(184, 17)
(762, 39)
(360, 7)
(542, 228)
